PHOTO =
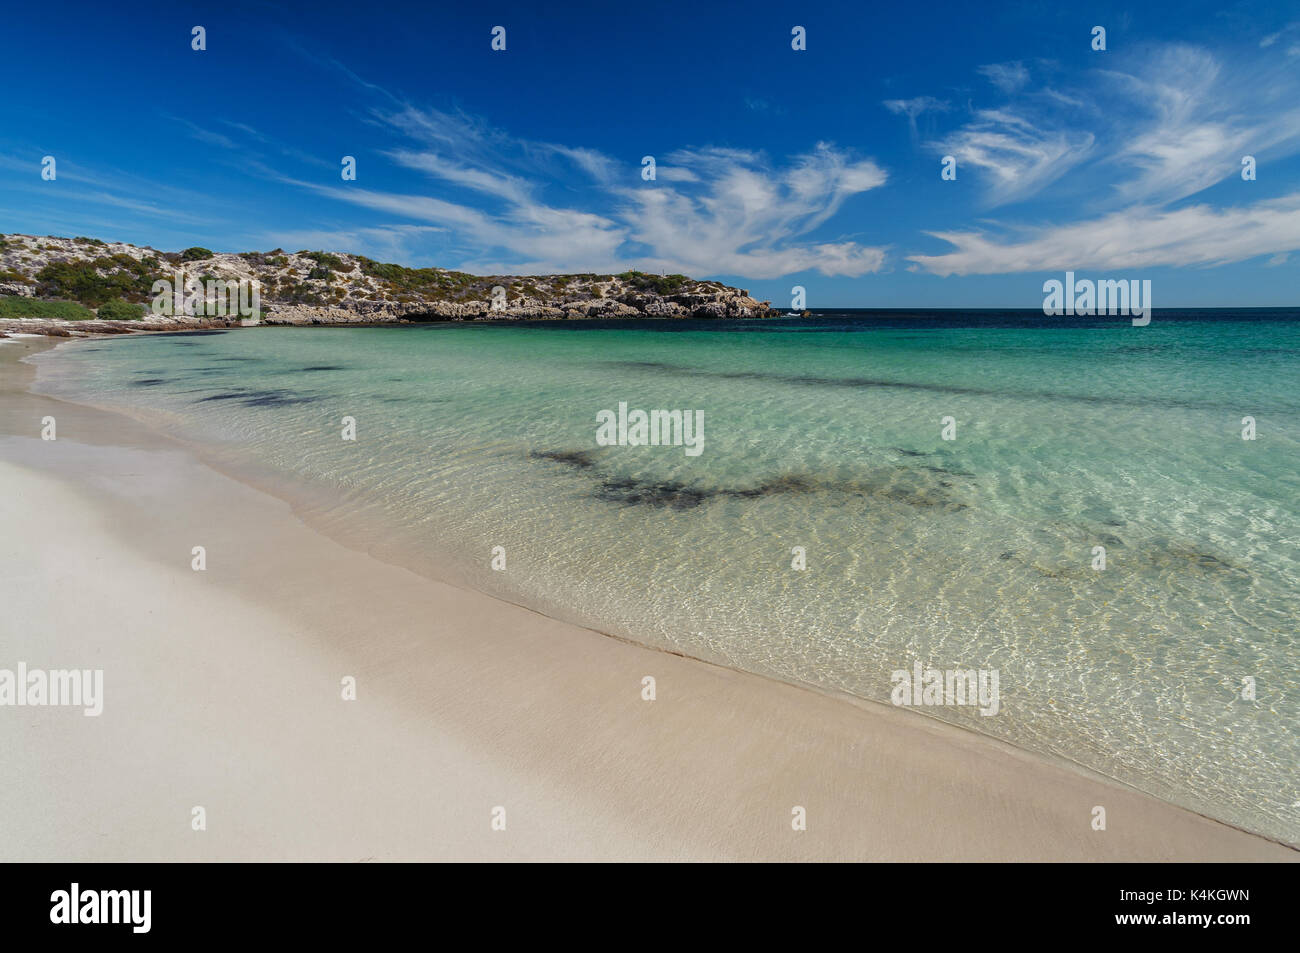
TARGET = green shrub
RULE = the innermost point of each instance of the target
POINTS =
(296, 293)
(326, 260)
(119, 310)
(195, 253)
(13, 306)
(659, 284)
(94, 282)
(432, 283)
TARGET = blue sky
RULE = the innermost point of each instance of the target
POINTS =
(775, 167)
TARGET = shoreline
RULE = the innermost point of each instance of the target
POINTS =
(709, 770)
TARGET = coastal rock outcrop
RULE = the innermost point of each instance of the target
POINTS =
(68, 282)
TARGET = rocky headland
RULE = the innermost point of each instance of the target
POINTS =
(75, 286)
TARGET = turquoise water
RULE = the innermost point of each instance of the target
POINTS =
(825, 434)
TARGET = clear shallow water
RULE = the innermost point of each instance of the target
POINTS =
(825, 433)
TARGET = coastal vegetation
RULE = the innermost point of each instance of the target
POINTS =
(659, 284)
(435, 283)
(99, 280)
(119, 310)
(17, 307)
(322, 287)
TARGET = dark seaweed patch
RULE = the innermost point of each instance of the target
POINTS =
(869, 382)
(947, 472)
(149, 382)
(582, 459)
(630, 491)
(1204, 561)
(899, 484)
(324, 367)
(258, 398)
(782, 484)
(646, 365)
(1173, 554)
(276, 400)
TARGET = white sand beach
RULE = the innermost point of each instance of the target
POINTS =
(222, 690)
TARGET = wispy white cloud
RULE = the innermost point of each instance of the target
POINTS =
(707, 211)
(1134, 142)
(1139, 237)
(208, 136)
(1007, 77)
(536, 235)
(742, 216)
(1019, 155)
(915, 106)
(253, 155)
(384, 242)
(600, 167)
(511, 188)
(1272, 38)
(78, 186)
(1196, 119)
(1160, 133)
(757, 104)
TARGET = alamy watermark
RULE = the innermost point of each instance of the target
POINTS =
(653, 428)
(36, 687)
(127, 907)
(1104, 296)
(215, 298)
(931, 686)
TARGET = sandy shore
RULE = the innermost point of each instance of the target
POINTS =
(222, 690)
